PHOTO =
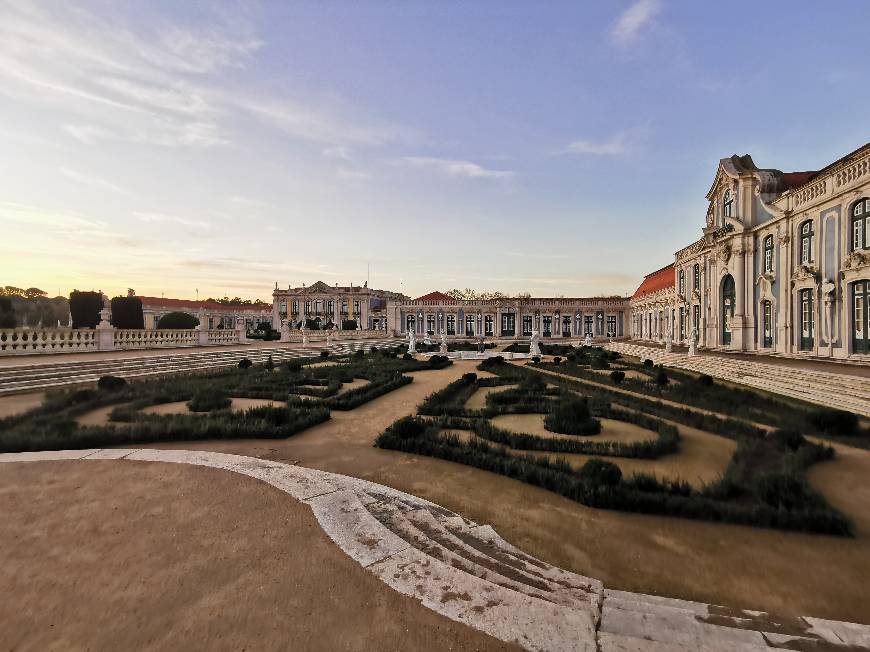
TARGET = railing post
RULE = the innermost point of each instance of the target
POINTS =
(241, 331)
(105, 332)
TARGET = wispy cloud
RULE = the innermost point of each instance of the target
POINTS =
(146, 216)
(454, 168)
(88, 180)
(634, 20)
(339, 151)
(614, 146)
(346, 173)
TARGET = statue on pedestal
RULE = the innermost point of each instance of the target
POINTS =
(427, 340)
(481, 344)
(443, 349)
(668, 344)
(285, 331)
(693, 343)
(588, 340)
(304, 335)
(412, 342)
(535, 343)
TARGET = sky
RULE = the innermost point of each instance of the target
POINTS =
(558, 148)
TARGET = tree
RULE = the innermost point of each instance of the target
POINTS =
(33, 293)
(179, 320)
(11, 291)
(127, 312)
(7, 313)
(85, 308)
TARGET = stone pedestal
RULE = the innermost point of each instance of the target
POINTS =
(285, 331)
(105, 332)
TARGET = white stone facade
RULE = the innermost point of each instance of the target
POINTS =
(782, 266)
(331, 305)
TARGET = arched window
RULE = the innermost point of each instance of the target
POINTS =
(727, 203)
(808, 242)
(861, 225)
(682, 283)
(768, 255)
(696, 278)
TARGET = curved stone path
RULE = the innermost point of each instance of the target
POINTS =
(468, 573)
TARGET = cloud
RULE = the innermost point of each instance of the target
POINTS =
(346, 173)
(339, 151)
(615, 146)
(634, 20)
(249, 202)
(454, 168)
(146, 216)
(87, 180)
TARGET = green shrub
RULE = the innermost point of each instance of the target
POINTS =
(617, 376)
(127, 312)
(536, 359)
(208, 399)
(601, 473)
(571, 357)
(557, 360)
(407, 356)
(348, 325)
(705, 381)
(269, 365)
(648, 364)
(491, 363)
(661, 378)
(599, 362)
(177, 320)
(245, 363)
(570, 416)
(293, 366)
(111, 383)
(787, 439)
(781, 490)
(833, 422)
(85, 307)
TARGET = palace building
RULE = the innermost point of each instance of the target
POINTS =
(782, 265)
(555, 318)
(217, 315)
(323, 306)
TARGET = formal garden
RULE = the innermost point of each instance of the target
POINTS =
(265, 400)
(613, 433)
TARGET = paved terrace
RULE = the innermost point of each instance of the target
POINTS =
(468, 573)
(51, 371)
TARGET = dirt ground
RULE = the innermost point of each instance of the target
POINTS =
(131, 555)
(743, 567)
(18, 403)
(477, 401)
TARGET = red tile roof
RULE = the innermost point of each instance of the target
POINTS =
(193, 305)
(658, 280)
(434, 296)
(795, 179)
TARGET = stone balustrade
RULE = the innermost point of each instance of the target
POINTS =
(46, 340)
(223, 336)
(126, 339)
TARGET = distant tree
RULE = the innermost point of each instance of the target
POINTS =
(33, 293)
(11, 291)
(85, 308)
(179, 320)
(7, 313)
(127, 312)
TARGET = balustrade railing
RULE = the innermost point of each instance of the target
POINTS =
(38, 340)
(154, 339)
(223, 336)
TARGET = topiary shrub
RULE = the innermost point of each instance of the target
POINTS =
(209, 399)
(570, 416)
(833, 422)
(244, 363)
(661, 378)
(557, 360)
(617, 376)
(571, 357)
(438, 360)
(491, 363)
(269, 364)
(600, 473)
(324, 354)
(180, 320)
(127, 312)
(85, 308)
(599, 362)
(536, 359)
(407, 356)
(293, 366)
(705, 381)
(111, 383)
(648, 364)
(374, 350)
(359, 353)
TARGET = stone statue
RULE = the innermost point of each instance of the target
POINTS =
(668, 344)
(535, 343)
(481, 344)
(285, 331)
(588, 340)
(693, 343)
(304, 335)
(329, 336)
(412, 342)
(427, 340)
(443, 349)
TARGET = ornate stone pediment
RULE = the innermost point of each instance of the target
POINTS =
(804, 272)
(320, 286)
(723, 252)
(857, 260)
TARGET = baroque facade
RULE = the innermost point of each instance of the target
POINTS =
(782, 265)
(554, 318)
(217, 315)
(322, 306)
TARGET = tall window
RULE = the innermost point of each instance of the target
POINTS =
(566, 326)
(548, 326)
(295, 307)
(808, 242)
(696, 317)
(682, 283)
(768, 255)
(527, 324)
(487, 325)
(469, 325)
(611, 325)
(860, 317)
(696, 278)
(861, 225)
(508, 323)
(807, 319)
(682, 323)
(587, 325)
(766, 324)
(430, 324)
(451, 324)
(727, 204)
(410, 323)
